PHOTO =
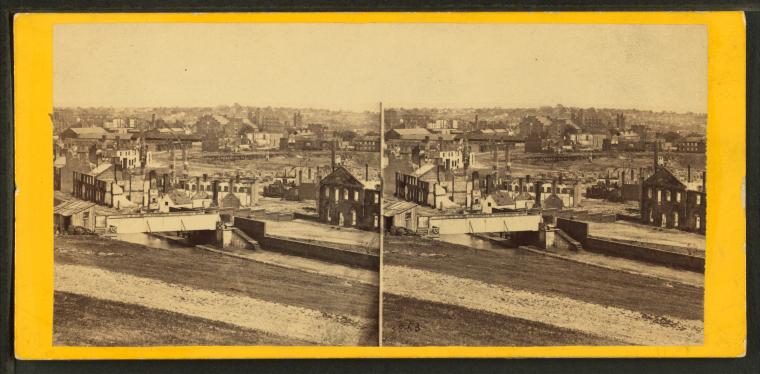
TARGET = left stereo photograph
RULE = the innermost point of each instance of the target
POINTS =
(214, 184)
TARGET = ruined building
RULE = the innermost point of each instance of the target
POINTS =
(346, 201)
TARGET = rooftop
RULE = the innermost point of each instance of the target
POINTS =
(71, 207)
(397, 207)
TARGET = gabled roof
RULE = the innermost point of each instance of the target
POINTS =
(72, 207)
(662, 174)
(230, 201)
(179, 198)
(201, 195)
(341, 172)
(398, 207)
(87, 130)
(411, 134)
(100, 169)
(422, 170)
(524, 196)
(502, 198)
(553, 202)
(221, 119)
(413, 131)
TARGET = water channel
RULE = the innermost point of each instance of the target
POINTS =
(150, 241)
(471, 241)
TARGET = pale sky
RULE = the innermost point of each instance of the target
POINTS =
(353, 66)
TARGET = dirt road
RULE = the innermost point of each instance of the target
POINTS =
(630, 327)
(249, 301)
(438, 293)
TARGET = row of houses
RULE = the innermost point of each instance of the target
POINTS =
(434, 187)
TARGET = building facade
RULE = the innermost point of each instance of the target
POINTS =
(668, 202)
(347, 201)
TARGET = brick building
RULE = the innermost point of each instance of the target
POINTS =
(668, 202)
(347, 201)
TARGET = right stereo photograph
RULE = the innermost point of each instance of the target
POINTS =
(545, 186)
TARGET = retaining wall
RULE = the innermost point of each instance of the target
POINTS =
(320, 252)
(579, 231)
(635, 252)
(257, 231)
(253, 228)
(575, 229)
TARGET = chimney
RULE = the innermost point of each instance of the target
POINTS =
(332, 154)
(205, 177)
(704, 179)
(152, 121)
(507, 157)
(215, 192)
(561, 178)
(366, 172)
(197, 183)
(477, 126)
(300, 176)
(113, 165)
(520, 180)
(453, 183)
(688, 174)
(656, 156)
(537, 186)
(437, 172)
(166, 182)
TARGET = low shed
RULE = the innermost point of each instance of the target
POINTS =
(401, 214)
(74, 213)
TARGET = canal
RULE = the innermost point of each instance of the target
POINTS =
(150, 241)
(471, 241)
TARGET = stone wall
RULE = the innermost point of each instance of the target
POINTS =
(257, 231)
(320, 252)
(641, 253)
(575, 229)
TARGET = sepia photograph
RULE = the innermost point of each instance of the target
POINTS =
(367, 184)
(215, 184)
(544, 185)
(391, 186)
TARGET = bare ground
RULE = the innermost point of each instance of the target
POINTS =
(79, 322)
(216, 272)
(523, 270)
(265, 284)
(628, 326)
(412, 322)
(291, 321)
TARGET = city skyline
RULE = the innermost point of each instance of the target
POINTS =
(354, 66)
